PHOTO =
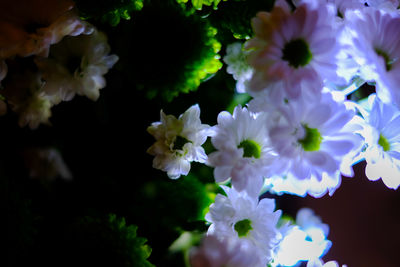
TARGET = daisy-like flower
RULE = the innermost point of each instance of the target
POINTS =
(311, 139)
(243, 150)
(178, 142)
(242, 217)
(228, 252)
(237, 65)
(382, 138)
(76, 65)
(373, 43)
(296, 51)
(303, 241)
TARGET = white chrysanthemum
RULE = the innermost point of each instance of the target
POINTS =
(372, 38)
(228, 252)
(76, 65)
(178, 142)
(304, 241)
(382, 138)
(237, 65)
(311, 140)
(243, 150)
(240, 216)
(296, 51)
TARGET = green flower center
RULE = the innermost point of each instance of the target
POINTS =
(312, 139)
(383, 142)
(250, 149)
(179, 143)
(243, 227)
(388, 61)
(297, 53)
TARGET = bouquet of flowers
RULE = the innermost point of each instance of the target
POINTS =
(276, 98)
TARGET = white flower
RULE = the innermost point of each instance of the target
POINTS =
(228, 252)
(296, 51)
(304, 241)
(372, 37)
(76, 65)
(243, 150)
(237, 65)
(311, 140)
(240, 216)
(178, 142)
(382, 137)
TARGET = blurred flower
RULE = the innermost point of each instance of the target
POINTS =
(178, 142)
(243, 150)
(296, 51)
(382, 138)
(303, 241)
(244, 218)
(29, 27)
(311, 139)
(77, 65)
(235, 58)
(24, 95)
(46, 163)
(228, 252)
(371, 35)
(341, 6)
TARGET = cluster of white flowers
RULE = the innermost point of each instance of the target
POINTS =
(65, 57)
(300, 133)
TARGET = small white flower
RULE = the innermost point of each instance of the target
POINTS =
(382, 138)
(240, 216)
(243, 150)
(237, 65)
(178, 142)
(311, 140)
(298, 51)
(228, 252)
(76, 65)
(304, 241)
(372, 41)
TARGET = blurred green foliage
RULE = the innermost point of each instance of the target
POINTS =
(108, 11)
